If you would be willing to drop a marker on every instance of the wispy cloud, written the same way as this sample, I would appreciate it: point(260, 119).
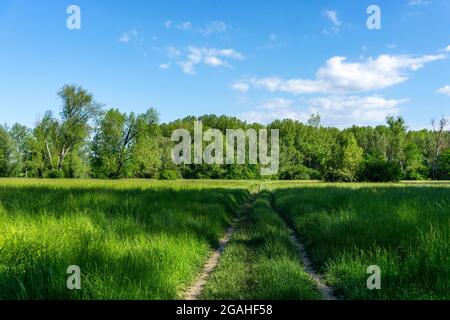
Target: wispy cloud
point(209, 28)
point(133, 38)
point(414, 8)
point(277, 103)
point(214, 27)
point(184, 26)
point(332, 16)
point(241, 86)
point(412, 3)
point(173, 52)
point(208, 56)
point(128, 36)
point(168, 24)
point(164, 66)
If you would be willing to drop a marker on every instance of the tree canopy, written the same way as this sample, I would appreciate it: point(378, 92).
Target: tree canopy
point(85, 140)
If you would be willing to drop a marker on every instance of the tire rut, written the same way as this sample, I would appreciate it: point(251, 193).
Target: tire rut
point(326, 291)
point(194, 292)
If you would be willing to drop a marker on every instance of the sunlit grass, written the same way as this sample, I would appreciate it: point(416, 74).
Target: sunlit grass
point(405, 230)
point(260, 262)
point(148, 239)
point(131, 239)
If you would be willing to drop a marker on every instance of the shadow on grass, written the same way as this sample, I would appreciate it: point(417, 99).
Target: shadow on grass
point(404, 230)
point(129, 243)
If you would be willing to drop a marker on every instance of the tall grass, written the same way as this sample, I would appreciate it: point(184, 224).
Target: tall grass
point(260, 262)
point(139, 239)
point(131, 239)
point(405, 230)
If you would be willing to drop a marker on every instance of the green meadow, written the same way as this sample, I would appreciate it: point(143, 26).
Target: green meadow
point(260, 262)
point(147, 239)
point(403, 229)
point(131, 239)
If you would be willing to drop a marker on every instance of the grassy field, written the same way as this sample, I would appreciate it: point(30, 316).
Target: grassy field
point(260, 262)
point(403, 229)
point(139, 239)
point(131, 239)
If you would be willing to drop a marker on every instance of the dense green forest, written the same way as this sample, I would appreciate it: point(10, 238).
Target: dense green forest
point(85, 140)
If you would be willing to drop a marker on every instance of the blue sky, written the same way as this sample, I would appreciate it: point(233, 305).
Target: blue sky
point(254, 59)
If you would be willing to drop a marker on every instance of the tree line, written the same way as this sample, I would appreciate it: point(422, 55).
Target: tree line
point(86, 141)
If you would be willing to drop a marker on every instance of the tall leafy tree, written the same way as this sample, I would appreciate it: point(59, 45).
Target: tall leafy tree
point(444, 160)
point(348, 160)
point(130, 145)
point(397, 135)
point(414, 163)
point(115, 138)
point(44, 147)
point(439, 143)
point(20, 136)
point(146, 153)
point(6, 151)
point(78, 110)
point(59, 139)
point(352, 157)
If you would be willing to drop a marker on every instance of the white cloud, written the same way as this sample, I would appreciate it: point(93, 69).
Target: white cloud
point(275, 109)
point(272, 109)
point(168, 24)
point(229, 53)
point(214, 27)
point(208, 56)
point(445, 90)
point(294, 86)
point(418, 2)
point(342, 110)
point(214, 61)
point(164, 66)
point(339, 111)
point(267, 117)
point(447, 49)
point(185, 26)
point(340, 76)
